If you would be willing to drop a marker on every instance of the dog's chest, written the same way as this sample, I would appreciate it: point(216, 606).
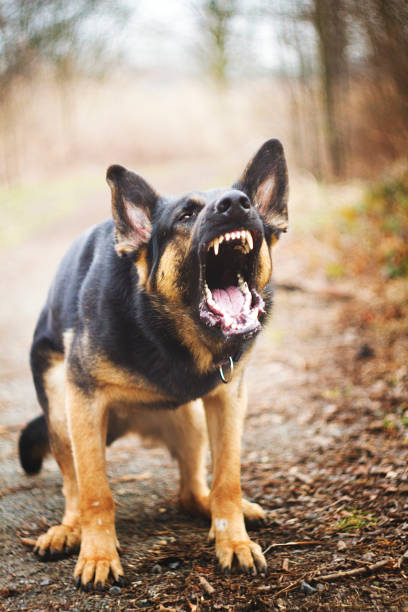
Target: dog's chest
point(167, 387)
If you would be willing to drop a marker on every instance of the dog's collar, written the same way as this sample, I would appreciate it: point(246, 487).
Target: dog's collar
point(226, 367)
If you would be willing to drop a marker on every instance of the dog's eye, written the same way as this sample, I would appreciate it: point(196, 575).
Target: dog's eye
point(187, 214)
point(276, 232)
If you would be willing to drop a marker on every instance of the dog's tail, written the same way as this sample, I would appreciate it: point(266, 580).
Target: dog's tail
point(33, 445)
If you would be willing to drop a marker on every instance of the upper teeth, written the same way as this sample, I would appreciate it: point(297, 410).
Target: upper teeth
point(244, 235)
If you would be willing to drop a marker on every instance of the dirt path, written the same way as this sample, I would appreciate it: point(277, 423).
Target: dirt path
point(309, 457)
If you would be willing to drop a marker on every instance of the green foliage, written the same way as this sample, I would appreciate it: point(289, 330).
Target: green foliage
point(331, 394)
point(389, 423)
point(335, 270)
point(386, 209)
point(378, 226)
point(355, 520)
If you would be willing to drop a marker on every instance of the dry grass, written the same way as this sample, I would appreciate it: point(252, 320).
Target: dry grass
point(53, 126)
point(58, 137)
point(50, 127)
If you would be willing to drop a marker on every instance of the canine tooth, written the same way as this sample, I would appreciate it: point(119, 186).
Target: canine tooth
point(209, 296)
point(216, 246)
point(248, 299)
point(249, 240)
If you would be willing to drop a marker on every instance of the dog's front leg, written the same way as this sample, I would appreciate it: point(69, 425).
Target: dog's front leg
point(87, 419)
point(225, 411)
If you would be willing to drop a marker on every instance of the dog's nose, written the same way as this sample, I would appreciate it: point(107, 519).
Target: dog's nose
point(233, 203)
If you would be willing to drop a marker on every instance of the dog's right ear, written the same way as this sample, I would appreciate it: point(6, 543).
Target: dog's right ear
point(265, 181)
point(133, 205)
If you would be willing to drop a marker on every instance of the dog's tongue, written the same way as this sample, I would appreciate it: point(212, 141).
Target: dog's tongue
point(234, 309)
point(230, 301)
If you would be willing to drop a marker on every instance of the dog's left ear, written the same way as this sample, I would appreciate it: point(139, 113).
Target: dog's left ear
point(133, 206)
point(265, 181)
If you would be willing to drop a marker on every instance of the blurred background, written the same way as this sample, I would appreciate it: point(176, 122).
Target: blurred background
point(90, 80)
point(201, 84)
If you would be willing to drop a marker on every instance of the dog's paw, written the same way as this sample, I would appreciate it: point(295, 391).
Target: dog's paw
point(97, 559)
point(253, 513)
point(58, 541)
point(248, 555)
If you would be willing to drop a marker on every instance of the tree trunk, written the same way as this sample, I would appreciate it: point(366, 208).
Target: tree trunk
point(329, 23)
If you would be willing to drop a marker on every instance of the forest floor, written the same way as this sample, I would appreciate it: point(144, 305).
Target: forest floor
point(325, 452)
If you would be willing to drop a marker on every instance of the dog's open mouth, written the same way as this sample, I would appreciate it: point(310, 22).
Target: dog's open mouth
point(229, 299)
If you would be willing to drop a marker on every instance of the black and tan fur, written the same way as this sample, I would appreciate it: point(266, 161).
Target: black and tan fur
point(127, 342)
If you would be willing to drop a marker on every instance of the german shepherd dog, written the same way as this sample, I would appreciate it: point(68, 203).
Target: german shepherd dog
point(150, 314)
